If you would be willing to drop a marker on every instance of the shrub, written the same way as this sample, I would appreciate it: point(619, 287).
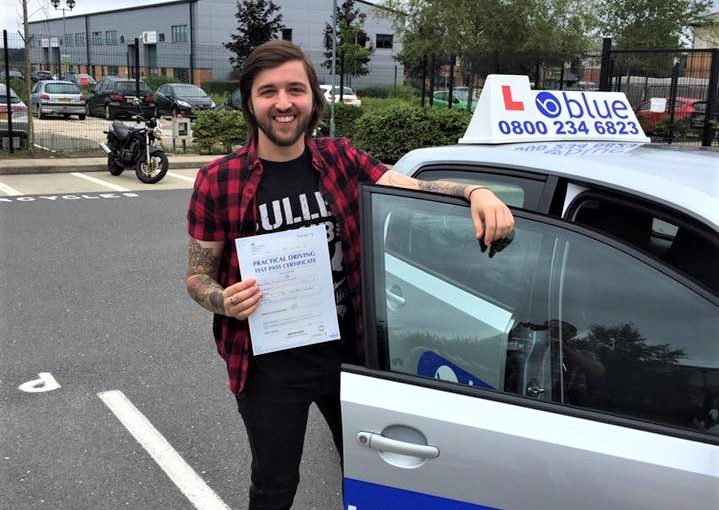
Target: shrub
point(224, 127)
point(345, 118)
point(219, 86)
point(18, 86)
point(405, 92)
point(154, 82)
point(388, 133)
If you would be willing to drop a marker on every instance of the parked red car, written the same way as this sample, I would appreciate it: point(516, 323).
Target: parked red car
point(683, 109)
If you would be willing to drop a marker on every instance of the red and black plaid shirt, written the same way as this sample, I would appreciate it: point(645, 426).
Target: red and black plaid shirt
point(223, 208)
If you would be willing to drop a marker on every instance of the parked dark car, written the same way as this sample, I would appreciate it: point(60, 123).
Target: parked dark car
point(234, 102)
point(181, 98)
point(696, 121)
point(42, 74)
point(113, 97)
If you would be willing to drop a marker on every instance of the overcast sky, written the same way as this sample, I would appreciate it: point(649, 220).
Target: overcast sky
point(11, 10)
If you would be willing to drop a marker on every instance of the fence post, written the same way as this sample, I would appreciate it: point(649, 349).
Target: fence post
point(604, 70)
point(7, 92)
point(137, 67)
point(672, 100)
point(712, 99)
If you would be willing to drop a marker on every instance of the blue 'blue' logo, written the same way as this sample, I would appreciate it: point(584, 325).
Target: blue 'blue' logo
point(548, 105)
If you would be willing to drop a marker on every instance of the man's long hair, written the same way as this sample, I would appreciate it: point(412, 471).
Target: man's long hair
point(269, 55)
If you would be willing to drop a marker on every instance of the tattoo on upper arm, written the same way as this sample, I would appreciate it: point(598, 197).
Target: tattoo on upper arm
point(201, 260)
point(448, 188)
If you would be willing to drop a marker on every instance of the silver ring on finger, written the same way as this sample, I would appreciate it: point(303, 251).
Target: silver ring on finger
point(233, 301)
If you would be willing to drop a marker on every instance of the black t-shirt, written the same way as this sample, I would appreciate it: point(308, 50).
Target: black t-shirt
point(288, 198)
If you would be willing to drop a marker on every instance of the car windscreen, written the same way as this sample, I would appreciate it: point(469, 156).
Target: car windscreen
point(14, 98)
point(62, 88)
point(188, 91)
point(128, 87)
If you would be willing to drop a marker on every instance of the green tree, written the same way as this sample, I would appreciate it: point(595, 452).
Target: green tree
point(258, 21)
point(649, 23)
point(353, 49)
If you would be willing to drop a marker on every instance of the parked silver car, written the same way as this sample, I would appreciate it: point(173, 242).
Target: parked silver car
point(19, 118)
point(56, 97)
point(576, 368)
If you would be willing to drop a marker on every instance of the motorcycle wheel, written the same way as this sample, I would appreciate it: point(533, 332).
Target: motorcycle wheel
point(113, 167)
point(155, 170)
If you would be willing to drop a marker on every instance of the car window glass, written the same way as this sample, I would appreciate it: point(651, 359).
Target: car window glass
point(236, 99)
point(62, 88)
point(514, 191)
point(687, 249)
point(557, 316)
point(128, 87)
point(635, 342)
point(188, 91)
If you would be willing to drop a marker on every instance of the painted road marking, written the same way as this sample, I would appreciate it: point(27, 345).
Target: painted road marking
point(45, 382)
point(99, 181)
point(186, 479)
point(182, 177)
point(8, 190)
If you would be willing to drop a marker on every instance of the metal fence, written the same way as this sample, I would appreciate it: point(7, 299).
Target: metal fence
point(674, 92)
point(684, 81)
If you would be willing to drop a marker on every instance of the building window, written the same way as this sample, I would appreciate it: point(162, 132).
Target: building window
point(161, 37)
point(181, 74)
point(111, 37)
point(69, 39)
point(97, 38)
point(113, 70)
point(384, 41)
point(287, 34)
point(179, 33)
point(80, 39)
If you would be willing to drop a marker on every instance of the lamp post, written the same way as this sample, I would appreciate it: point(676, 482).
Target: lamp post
point(70, 4)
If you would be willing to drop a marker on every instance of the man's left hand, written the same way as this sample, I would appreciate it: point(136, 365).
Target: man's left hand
point(492, 218)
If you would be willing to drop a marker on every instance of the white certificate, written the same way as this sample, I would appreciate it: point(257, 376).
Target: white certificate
point(293, 271)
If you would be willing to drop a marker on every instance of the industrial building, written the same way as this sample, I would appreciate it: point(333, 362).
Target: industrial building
point(184, 39)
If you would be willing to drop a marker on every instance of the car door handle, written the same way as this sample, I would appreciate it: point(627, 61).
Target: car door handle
point(385, 444)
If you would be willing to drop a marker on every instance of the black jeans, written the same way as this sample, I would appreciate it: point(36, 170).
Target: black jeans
point(274, 407)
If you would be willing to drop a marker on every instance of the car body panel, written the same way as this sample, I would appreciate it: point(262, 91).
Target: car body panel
point(461, 402)
point(108, 86)
point(182, 98)
point(620, 166)
point(57, 97)
point(348, 97)
point(19, 114)
point(502, 456)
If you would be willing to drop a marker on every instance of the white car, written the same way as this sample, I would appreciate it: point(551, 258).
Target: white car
point(19, 118)
point(577, 367)
point(348, 95)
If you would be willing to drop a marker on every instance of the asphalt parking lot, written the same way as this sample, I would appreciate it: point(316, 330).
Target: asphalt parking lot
point(59, 134)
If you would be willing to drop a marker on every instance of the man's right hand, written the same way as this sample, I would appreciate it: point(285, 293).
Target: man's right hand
point(242, 299)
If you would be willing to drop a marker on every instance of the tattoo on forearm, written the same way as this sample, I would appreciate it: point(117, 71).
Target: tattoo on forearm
point(448, 188)
point(201, 260)
point(202, 286)
point(207, 292)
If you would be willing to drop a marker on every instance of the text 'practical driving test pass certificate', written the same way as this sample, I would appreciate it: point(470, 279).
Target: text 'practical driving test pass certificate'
point(293, 271)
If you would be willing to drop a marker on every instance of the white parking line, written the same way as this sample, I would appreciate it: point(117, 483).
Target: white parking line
point(182, 177)
point(99, 181)
point(8, 190)
point(186, 479)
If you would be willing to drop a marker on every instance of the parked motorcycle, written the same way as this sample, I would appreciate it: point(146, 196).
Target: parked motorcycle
point(136, 147)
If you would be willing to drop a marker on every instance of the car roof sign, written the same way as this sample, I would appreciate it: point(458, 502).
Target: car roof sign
point(509, 111)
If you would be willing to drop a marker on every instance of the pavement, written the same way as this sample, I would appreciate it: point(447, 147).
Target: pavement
point(13, 165)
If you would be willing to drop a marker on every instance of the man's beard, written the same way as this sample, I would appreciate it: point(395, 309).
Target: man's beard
point(266, 126)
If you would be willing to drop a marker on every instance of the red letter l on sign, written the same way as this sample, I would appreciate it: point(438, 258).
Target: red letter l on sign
point(509, 103)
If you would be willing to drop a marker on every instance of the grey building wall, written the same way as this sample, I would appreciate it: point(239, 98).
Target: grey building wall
point(214, 22)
